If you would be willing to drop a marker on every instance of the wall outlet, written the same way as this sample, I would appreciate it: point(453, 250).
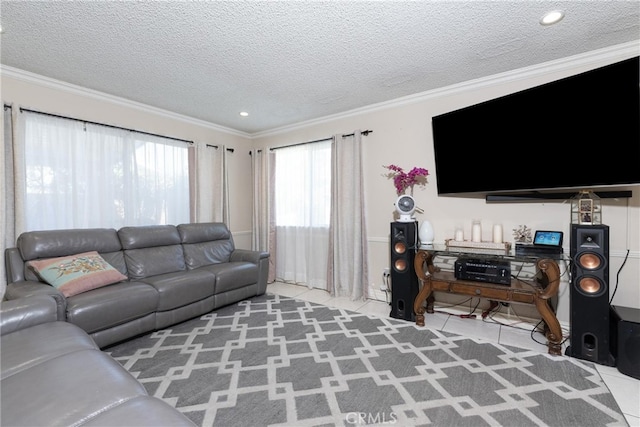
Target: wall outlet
point(386, 272)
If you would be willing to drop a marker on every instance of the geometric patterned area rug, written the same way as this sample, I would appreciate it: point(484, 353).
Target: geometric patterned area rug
point(278, 361)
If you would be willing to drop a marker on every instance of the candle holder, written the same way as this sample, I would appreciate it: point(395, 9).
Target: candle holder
point(476, 231)
point(497, 233)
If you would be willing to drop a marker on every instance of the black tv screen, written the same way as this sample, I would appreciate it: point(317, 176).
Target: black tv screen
point(579, 132)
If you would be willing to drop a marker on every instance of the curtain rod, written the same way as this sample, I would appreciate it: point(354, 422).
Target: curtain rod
point(216, 147)
point(364, 132)
point(102, 124)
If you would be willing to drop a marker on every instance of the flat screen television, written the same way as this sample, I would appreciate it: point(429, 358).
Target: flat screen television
point(579, 132)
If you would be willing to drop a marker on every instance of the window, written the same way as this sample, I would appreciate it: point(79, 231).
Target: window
point(81, 175)
point(303, 185)
point(303, 210)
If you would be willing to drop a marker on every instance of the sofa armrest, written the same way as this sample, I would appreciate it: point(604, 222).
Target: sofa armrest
point(261, 259)
point(14, 265)
point(22, 313)
point(248, 255)
point(27, 288)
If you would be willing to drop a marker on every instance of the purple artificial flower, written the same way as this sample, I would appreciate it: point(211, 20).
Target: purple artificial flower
point(403, 180)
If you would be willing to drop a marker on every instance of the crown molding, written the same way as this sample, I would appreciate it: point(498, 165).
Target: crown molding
point(50, 83)
point(611, 54)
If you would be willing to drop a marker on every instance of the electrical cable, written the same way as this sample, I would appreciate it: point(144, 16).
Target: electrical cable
point(537, 328)
point(471, 314)
point(618, 277)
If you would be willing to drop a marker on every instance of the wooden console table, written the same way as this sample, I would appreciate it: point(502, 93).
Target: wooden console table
point(536, 291)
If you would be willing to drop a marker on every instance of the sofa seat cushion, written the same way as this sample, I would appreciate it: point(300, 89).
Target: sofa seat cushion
point(34, 345)
point(112, 305)
point(66, 391)
point(182, 288)
point(141, 411)
point(233, 275)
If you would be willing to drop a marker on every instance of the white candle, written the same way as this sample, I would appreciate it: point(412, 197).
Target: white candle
point(497, 233)
point(459, 237)
point(476, 232)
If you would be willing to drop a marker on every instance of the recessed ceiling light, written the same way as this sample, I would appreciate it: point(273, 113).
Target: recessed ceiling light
point(244, 113)
point(552, 17)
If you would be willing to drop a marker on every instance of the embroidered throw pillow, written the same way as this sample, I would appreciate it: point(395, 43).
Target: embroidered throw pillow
point(75, 274)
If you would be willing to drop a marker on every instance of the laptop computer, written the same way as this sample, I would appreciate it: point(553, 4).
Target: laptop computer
point(545, 243)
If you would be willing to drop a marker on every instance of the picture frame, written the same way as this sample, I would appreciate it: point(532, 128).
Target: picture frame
point(585, 211)
point(586, 206)
point(586, 218)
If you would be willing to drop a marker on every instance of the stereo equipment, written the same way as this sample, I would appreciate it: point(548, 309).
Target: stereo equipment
point(483, 270)
point(589, 294)
point(404, 282)
point(529, 249)
point(625, 339)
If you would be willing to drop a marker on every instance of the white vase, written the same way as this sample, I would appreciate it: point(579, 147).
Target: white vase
point(425, 233)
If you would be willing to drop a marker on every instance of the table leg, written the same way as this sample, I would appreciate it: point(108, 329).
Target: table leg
point(418, 305)
point(552, 329)
point(430, 300)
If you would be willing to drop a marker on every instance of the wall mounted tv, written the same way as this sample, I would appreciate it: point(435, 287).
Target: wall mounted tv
point(580, 132)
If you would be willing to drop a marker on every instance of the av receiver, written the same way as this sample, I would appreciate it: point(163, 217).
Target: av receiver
point(483, 270)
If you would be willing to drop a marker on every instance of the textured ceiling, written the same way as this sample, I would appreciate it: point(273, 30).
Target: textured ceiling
point(287, 62)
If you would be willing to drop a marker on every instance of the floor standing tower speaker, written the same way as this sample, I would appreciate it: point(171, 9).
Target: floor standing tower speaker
point(589, 295)
point(404, 282)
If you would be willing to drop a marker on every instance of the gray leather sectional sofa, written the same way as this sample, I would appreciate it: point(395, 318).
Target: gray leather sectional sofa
point(174, 273)
point(53, 374)
point(53, 371)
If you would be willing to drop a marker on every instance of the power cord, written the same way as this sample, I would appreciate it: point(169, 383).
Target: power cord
point(470, 315)
point(618, 277)
point(386, 278)
point(540, 330)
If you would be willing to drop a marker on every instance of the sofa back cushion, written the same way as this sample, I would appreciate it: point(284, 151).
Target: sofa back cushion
point(206, 243)
point(34, 245)
point(151, 250)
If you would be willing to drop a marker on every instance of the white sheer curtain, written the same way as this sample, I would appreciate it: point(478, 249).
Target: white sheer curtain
point(348, 259)
point(80, 175)
point(212, 193)
point(263, 221)
point(7, 198)
point(302, 210)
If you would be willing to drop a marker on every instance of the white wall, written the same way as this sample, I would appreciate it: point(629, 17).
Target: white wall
point(402, 135)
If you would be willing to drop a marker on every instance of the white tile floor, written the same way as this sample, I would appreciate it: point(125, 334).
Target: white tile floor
point(509, 330)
